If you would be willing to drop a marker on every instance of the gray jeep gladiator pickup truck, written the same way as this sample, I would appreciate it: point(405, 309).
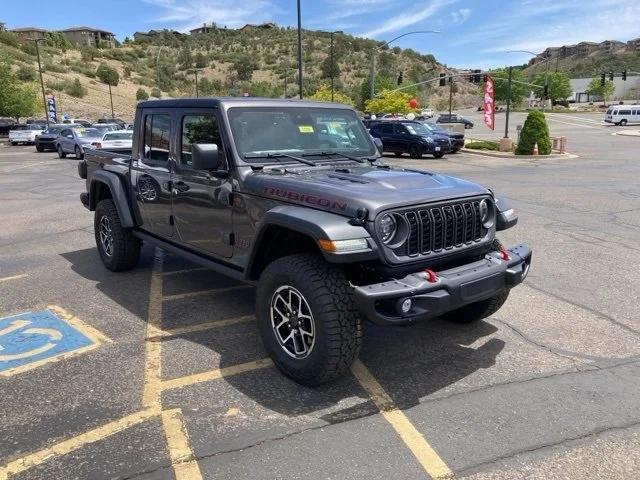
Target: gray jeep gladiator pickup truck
point(292, 196)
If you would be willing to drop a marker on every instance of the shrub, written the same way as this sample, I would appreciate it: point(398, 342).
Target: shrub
point(535, 130)
point(52, 67)
point(53, 85)
point(482, 145)
point(142, 94)
point(155, 92)
point(75, 89)
point(108, 75)
point(9, 38)
point(26, 73)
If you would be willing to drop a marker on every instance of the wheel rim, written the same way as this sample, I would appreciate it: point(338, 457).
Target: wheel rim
point(106, 235)
point(292, 322)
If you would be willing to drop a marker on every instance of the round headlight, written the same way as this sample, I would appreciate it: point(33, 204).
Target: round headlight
point(387, 228)
point(486, 213)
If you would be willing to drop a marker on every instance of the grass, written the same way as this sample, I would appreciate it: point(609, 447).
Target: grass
point(482, 145)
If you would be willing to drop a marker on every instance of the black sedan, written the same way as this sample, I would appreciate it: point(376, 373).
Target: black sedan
point(454, 118)
point(47, 139)
point(456, 139)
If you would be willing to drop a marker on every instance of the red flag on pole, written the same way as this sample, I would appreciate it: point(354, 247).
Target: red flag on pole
point(488, 103)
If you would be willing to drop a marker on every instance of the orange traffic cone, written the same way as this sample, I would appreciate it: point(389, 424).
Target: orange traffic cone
point(535, 149)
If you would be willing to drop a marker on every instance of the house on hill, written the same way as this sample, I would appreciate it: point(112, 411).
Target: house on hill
point(92, 37)
point(203, 29)
point(27, 33)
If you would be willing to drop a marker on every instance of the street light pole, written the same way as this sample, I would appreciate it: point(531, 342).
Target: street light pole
point(332, 67)
point(546, 71)
point(44, 99)
point(450, 94)
point(195, 73)
point(299, 51)
point(506, 126)
point(111, 99)
point(372, 80)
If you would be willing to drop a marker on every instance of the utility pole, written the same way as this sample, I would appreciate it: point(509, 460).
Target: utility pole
point(285, 83)
point(506, 126)
point(450, 95)
point(44, 99)
point(299, 50)
point(111, 98)
point(332, 67)
point(195, 73)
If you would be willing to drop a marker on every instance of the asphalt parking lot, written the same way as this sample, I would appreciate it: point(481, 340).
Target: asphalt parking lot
point(167, 377)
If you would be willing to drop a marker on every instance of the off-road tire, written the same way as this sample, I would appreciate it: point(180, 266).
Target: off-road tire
point(397, 154)
point(126, 247)
point(39, 148)
point(478, 310)
point(78, 153)
point(416, 151)
point(338, 326)
point(61, 153)
point(438, 155)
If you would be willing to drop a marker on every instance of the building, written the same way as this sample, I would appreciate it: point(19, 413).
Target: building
point(27, 33)
point(2, 27)
point(610, 46)
point(137, 36)
point(203, 29)
point(92, 37)
point(624, 90)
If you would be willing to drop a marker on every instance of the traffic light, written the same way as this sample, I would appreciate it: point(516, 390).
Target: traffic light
point(400, 79)
point(477, 75)
point(611, 76)
point(624, 75)
point(472, 77)
point(602, 79)
point(443, 79)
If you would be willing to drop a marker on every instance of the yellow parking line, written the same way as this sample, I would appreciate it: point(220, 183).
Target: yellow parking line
point(88, 331)
point(14, 277)
point(174, 332)
point(185, 466)
point(180, 296)
point(412, 438)
point(67, 446)
point(215, 374)
point(152, 366)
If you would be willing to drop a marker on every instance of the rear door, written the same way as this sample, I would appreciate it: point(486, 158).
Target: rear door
point(202, 199)
point(151, 171)
point(66, 140)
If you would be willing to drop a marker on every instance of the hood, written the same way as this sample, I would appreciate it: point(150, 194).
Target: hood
point(346, 187)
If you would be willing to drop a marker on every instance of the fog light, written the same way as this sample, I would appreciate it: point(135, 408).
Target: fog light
point(407, 303)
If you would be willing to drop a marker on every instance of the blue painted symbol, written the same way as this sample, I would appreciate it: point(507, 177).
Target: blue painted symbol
point(34, 336)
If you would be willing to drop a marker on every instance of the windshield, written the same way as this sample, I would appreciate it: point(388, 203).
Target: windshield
point(260, 131)
point(417, 129)
point(88, 132)
point(432, 127)
point(119, 136)
point(54, 130)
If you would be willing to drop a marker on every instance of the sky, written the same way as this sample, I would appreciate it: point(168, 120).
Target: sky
point(473, 34)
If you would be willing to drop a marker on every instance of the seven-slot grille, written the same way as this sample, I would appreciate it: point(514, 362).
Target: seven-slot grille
point(432, 229)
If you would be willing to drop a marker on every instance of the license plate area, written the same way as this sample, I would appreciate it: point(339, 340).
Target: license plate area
point(481, 288)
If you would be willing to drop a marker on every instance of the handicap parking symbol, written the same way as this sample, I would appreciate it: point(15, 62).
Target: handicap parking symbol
point(34, 338)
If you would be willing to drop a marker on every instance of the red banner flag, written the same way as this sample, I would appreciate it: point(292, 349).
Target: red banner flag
point(488, 103)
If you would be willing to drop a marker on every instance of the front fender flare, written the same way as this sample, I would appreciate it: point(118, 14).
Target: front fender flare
point(118, 195)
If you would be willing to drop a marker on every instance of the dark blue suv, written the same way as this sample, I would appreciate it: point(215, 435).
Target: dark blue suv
point(410, 137)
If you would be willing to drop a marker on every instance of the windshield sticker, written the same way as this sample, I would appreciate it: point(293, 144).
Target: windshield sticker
point(305, 128)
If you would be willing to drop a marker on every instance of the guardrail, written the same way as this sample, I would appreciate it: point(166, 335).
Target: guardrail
point(558, 144)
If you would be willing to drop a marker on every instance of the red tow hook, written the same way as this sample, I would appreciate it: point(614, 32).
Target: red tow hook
point(431, 275)
point(504, 254)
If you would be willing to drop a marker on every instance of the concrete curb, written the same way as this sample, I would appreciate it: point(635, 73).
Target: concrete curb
point(508, 155)
point(628, 133)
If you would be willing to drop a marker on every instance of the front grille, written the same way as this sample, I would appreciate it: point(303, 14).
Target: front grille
point(442, 142)
point(437, 228)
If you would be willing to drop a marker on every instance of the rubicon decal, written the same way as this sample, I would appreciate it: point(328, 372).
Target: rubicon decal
point(304, 198)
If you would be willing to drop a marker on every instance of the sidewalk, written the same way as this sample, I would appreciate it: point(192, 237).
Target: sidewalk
point(629, 133)
point(494, 153)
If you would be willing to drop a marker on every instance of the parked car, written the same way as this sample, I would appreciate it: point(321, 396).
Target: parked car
point(427, 113)
point(76, 140)
point(329, 235)
point(456, 139)
point(25, 134)
point(106, 127)
point(6, 124)
point(116, 139)
point(121, 123)
point(77, 121)
point(47, 140)
point(407, 136)
point(454, 118)
point(623, 114)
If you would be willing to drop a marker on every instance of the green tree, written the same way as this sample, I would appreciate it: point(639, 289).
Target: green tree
point(108, 75)
point(501, 85)
point(324, 95)
point(244, 67)
point(88, 54)
point(559, 86)
point(57, 40)
point(210, 87)
point(26, 73)
point(326, 67)
point(596, 89)
point(75, 89)
point(185, 59)
point(200, 60)
point(381, 83)
point(141, 94)
point(389, 102)
point(17, 99)
point(535, 130)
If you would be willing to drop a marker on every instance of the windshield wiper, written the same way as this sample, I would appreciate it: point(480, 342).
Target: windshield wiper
point(284, 155)
point(348, 157)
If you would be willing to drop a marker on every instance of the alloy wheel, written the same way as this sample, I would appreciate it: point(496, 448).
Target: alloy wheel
point(106, 236)
point(292, 322)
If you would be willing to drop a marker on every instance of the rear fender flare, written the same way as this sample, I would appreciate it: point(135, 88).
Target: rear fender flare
point(118, 194)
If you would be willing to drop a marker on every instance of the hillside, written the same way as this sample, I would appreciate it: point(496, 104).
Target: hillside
point(231, 62)
point(591, 65)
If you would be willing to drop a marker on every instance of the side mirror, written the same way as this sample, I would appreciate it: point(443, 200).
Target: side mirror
point(204, 156)
point(378, 143)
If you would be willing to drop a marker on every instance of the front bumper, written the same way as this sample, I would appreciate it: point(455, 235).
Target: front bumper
point(453, 288)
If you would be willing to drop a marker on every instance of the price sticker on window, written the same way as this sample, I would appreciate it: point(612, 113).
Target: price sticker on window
point(305, 128)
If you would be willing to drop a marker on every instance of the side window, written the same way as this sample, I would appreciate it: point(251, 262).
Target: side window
point(157, 135)
point(386, 128)
point(625, 112)
point(65, 132)
point(198, 129)
point(400, 129)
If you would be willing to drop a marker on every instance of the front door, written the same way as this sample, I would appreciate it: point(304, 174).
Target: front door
point(202, 199)
point(151, 173)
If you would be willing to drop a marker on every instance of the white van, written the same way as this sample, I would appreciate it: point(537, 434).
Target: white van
point(623, 114)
